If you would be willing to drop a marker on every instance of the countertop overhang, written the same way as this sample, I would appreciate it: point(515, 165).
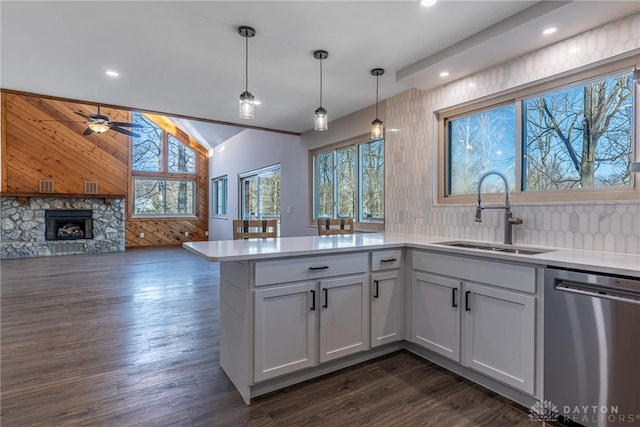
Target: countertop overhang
point(286, 247)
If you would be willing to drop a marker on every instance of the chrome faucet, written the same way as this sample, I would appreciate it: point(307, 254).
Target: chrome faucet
point(509, 220)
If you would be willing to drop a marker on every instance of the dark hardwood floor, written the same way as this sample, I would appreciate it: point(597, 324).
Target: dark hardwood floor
point(132, 339)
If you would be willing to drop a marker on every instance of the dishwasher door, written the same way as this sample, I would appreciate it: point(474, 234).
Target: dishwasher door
point(592, 347)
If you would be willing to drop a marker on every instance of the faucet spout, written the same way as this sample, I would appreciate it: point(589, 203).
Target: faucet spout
point(509, 221)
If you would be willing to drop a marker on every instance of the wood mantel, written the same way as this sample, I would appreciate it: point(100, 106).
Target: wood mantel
point(24, 197)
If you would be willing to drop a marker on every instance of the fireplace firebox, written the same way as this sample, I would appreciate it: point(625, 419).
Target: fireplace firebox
point(68, 224)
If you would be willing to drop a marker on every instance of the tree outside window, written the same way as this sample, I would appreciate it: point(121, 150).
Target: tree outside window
point(349, 182)
point(163, 170)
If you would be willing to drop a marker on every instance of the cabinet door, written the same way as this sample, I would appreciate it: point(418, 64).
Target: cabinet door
point(285, 329)
point(387, 316)
point(436, 314)
point(344, 316)
point(499, 334)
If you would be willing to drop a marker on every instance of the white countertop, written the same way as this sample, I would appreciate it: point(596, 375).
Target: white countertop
point(238, 250)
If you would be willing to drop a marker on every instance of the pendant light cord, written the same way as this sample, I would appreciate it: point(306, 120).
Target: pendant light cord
point(377, 77)
point(246, 64)
point(321, 82)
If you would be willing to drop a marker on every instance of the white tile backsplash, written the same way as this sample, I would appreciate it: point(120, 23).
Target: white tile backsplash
point(410, 154)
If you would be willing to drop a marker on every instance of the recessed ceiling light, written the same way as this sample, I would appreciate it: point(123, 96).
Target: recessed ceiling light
point(548, 31)
point(427, 3)
point(573, 50)
point(392, 130)
point(444, 74)
point(256, 102)
point(472, 84)
point(111, 73)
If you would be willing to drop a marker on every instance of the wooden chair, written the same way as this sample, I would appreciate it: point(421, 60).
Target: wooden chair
point(335, 226)
point(255, 228)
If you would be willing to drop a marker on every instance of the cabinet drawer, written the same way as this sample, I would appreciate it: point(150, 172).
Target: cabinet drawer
point(386, 260)
point(309, 268)
point(506, 275)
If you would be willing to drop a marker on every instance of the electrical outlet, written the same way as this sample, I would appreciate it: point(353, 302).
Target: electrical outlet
point(142, 235)
point(186, 234)
point(206, 233)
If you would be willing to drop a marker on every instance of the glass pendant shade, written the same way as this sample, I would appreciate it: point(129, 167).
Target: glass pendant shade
point(99, 127)
point(321, 121)
point(247, 106)
point(377, 129)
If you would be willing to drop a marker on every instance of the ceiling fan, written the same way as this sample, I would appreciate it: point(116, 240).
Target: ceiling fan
point(99, 124)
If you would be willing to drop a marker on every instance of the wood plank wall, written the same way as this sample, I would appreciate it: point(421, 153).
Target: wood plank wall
point(42, 139)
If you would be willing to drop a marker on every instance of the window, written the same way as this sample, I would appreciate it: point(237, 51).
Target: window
point(260, 194)
point(349, 182)
point(219, 196)
point(569, 139)
point(163, 169)
point(163, 197)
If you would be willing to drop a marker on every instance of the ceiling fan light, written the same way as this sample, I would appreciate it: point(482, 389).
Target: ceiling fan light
point(99, 127)
point(321, 121)
point(377, 129)
point(247, 105)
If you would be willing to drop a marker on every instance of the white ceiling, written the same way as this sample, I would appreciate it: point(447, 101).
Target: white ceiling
point(186, 57)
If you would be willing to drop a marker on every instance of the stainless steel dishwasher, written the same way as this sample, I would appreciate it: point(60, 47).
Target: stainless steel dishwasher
point(592, 347)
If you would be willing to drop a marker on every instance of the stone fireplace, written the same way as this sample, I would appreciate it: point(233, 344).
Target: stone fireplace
point(68, 224)
point(45, 226)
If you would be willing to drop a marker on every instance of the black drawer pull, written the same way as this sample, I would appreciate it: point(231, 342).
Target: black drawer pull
point(466, 301)
point(326, 298)
point(324, 267)
point(313, 300)
point(375, 290)
point(388, 260)
point(454, 300)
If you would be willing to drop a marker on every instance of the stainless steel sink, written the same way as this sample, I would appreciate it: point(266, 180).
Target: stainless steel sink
point(496, 248)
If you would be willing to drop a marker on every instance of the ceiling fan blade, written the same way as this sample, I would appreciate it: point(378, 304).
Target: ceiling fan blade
point(124, 131)
point(87, 131)
point(81, 114)
point(129, 125)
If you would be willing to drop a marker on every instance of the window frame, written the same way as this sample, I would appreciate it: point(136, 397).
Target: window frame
point(164, 215)
point(215, 197)
point(257, 173)
point(352, 142)
point(163, 174)
point(562, 81)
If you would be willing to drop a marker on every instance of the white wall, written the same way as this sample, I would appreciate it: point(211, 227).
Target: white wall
point(254, 149)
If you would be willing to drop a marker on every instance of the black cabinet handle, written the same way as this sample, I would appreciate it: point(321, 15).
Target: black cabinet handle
point(388, 260)
point(313, 300)
point(454, 300)
point(466, 301)
point(326, 298)
point(375, 289)
point(324, 267)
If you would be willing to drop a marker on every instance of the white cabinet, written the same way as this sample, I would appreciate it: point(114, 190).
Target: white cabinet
point(436, 314)
point(299, 325)
point(499, 334)
point(344, 316)
point(491, 329)
point(285, 329)
point(387, 314)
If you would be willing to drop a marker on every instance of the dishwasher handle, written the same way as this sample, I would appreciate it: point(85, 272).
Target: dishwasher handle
point(597, 292)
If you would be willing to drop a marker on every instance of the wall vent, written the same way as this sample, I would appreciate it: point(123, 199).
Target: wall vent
point(45, 186)
point(90, 187)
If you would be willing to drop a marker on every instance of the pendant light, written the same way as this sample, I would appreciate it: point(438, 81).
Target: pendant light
point(377, 129)
point(247, 101)
point(321, 122)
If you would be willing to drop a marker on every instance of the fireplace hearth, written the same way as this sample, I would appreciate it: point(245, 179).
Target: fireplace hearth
point(68, 224)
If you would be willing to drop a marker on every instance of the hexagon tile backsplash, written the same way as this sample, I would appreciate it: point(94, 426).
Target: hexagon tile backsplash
point(411, 149)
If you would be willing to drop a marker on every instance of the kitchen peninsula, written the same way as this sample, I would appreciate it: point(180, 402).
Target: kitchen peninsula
point(299, 307)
